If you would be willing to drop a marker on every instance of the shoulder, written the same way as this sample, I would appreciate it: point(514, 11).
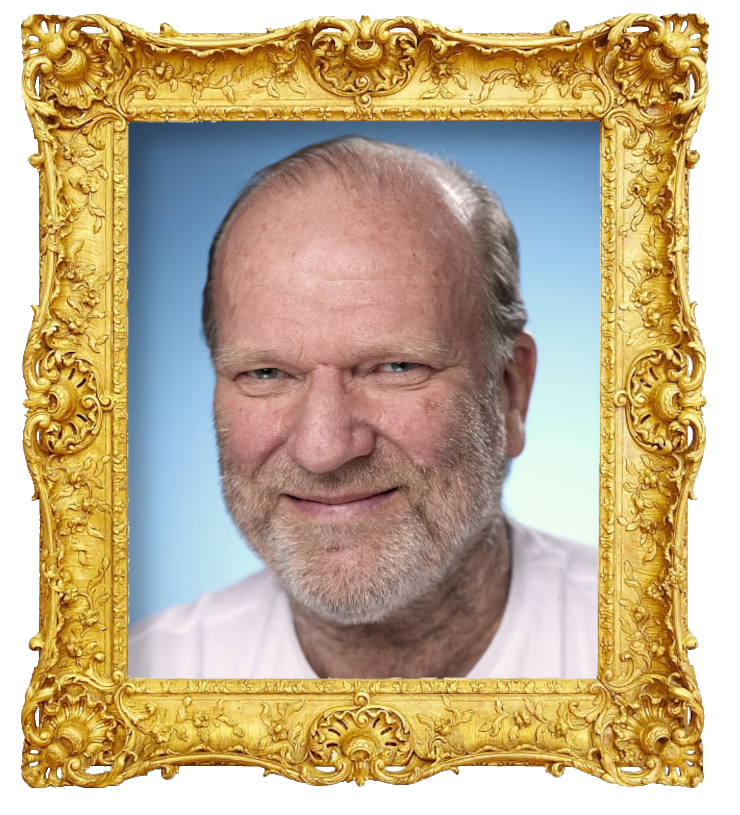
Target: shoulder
point(543, 552)
point(209, 607)
point(181, 639)
point(556, 587)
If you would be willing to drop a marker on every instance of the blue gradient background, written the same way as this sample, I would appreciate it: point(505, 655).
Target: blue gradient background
point(183, 178)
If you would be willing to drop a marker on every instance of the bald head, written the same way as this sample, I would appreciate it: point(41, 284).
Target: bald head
point(455, 211)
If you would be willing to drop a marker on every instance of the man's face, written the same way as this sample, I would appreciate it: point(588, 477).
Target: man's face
point(359, 456)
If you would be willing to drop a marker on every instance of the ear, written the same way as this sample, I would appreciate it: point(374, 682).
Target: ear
point(517, 377)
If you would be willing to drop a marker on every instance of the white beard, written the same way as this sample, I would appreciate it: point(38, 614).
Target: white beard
point(362, 570)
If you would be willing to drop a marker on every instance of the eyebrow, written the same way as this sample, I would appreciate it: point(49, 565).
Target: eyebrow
point(230, 357)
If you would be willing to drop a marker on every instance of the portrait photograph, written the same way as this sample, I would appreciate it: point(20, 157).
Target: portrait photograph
point(375, 418)
point(183, 541)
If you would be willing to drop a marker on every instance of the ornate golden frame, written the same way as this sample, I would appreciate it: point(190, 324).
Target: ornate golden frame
point(85, 721)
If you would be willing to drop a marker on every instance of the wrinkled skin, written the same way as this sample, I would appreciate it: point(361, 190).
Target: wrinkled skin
point(362, 448)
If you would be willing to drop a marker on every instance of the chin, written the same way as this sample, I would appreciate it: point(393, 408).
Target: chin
point(360, 575)
point(348, 602)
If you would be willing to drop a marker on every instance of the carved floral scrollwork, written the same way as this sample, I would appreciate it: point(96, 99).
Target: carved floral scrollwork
point(664, 401)
point(445, 739)
point(283, 73)
point(84, 79)
point(443, 74)
point(199, 77)
point(363, 59)
point(653, 290)
point(284, 733)
point(66, 409)
point(537, 75)
point(360, 742)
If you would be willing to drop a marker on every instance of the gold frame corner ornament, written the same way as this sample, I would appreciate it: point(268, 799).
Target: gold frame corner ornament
point(84, 79)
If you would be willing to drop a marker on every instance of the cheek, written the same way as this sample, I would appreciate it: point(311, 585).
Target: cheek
point(248, 429)
point(419, 425)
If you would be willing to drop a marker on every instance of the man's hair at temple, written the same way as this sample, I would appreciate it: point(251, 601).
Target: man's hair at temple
point(375, 167)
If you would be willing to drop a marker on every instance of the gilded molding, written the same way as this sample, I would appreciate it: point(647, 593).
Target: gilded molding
point(84, 79)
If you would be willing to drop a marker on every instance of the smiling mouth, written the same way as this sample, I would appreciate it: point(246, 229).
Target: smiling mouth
point(347, 498)
point(340, 506)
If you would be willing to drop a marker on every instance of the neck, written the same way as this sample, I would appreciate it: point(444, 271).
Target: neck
point(443, 634)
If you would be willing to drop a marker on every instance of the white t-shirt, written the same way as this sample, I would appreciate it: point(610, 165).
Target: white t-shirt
point(549, 627)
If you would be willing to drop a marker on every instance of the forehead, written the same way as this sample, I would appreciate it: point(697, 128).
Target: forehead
point(361, 260)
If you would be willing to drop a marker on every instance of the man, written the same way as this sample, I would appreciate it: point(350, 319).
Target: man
point(373, 376)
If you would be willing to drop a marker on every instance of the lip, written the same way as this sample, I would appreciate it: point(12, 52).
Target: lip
point(340, 506)
point(349, 498)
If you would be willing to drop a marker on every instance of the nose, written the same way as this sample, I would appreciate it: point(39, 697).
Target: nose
point(327, 428)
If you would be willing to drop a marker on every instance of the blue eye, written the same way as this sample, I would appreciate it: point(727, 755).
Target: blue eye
point(401, 367)
point(267, 373)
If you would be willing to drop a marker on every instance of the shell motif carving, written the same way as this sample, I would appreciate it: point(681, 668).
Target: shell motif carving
point(363, 59)
point(66, 411)
point(664, 401)
point(360, 742)
point(68, 64)
point(68, 732)
point(660, 734)
point(653, 66)
point(84, 79)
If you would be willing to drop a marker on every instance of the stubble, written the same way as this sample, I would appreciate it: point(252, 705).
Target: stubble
point(362, 570)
